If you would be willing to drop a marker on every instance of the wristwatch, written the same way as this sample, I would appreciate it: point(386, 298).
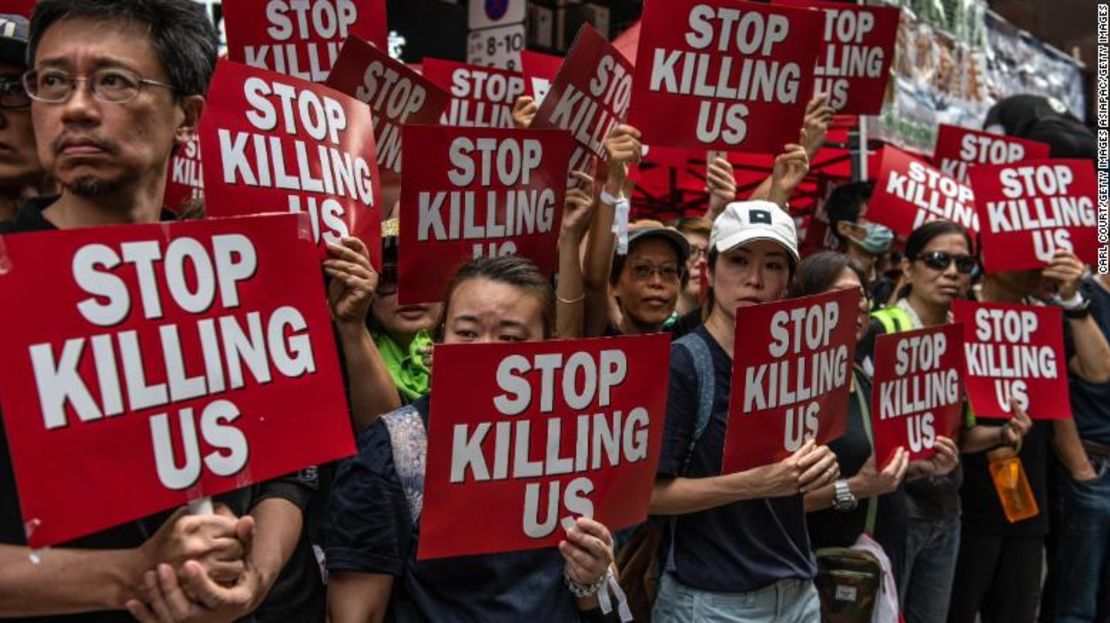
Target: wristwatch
point(1077, 307)
point(845, 500)
point(1079, 312)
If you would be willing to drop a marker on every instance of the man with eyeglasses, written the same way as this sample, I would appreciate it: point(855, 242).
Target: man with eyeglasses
point(21, 175)
point(645, 283)
point(117, 85)
point(696, 230)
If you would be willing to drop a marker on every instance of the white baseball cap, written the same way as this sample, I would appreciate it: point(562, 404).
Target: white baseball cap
point(745, 221)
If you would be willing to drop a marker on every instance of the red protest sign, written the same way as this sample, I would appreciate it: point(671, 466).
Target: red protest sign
point(539, 70)
point(909, 193)
point(470, 192)
point(791, 378)
point(185, 181)
point(170, 361)
point(536, 432)
point(300, 39)
point(589, 96)
point(396, 95)
point(1015, 351)
point(21, 7)
point(482, 97)
point(272, 143)
point(723, 74)
point(916, 392)
point(958, 148)
point(1033, 209)
point(854, 67)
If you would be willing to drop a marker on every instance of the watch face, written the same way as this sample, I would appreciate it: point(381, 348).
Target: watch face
point(844, 500)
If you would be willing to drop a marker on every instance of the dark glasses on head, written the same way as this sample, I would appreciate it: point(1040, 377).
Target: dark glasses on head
point(941, 260)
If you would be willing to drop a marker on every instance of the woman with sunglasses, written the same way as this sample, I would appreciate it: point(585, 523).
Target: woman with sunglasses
point(936, 269)
point(998, 576)
point(375, 532)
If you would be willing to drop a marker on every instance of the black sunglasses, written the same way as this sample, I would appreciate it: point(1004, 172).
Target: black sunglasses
point(941, 260)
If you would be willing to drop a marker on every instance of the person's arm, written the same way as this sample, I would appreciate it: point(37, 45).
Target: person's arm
point(945, 459)
point(278, 527)
point(791, 167)
point(571, 291)
point(808, 469)
point(624, 149)
point(350, 291)
point(1091, 361)
point(67, 581)
point(1069, 450)
point(720, 182)
point(815, 127)
point(358, 597)
point(868, 482)
point(980, 438)
point(588, 554)
point(192, 596)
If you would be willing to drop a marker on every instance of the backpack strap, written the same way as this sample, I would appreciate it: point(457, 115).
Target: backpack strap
point(698, 349)
point(865, 416)
point(409, 441)
point(694, 344)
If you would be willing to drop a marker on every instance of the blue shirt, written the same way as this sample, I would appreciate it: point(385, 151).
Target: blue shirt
point(738, 547)
point(372, 531)
point(1090, 402)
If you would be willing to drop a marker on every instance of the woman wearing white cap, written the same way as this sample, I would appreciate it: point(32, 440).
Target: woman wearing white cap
point(737, 548)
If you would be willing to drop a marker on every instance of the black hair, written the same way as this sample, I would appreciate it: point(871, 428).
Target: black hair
point(512, 270)
point(846, 202)
point(180, 31)
point(818, 272)
point(921, 237)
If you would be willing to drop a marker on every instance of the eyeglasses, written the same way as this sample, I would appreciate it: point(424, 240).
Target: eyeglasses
point(644, 272)
point(12, 93)
point(109, 85)
point(941, 260)
point(697, 252)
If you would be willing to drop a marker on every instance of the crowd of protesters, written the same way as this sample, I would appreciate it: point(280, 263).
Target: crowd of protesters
point(96, 95)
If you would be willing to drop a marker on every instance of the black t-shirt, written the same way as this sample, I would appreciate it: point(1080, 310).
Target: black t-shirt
point(372, 532)
point(737, 547)
point(983, 510)
point(297, 594)
point(833, 528)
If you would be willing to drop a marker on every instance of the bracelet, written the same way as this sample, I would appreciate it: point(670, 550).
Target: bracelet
point(570, 301)
point(581, 591)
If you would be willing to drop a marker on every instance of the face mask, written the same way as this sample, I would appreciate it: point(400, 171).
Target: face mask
point(877, 240)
